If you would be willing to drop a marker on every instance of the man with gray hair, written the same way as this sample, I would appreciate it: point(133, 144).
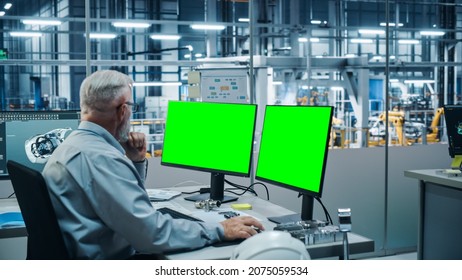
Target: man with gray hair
point(96, 183)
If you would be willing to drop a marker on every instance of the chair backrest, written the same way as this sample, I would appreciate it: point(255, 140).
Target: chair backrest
point(45, 240)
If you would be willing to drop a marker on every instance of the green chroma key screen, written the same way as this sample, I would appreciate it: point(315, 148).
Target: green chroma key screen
point(294, 146)
point(215, 137)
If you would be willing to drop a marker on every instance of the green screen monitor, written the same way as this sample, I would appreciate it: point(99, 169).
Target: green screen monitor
point(211, 137)
point(293, 152)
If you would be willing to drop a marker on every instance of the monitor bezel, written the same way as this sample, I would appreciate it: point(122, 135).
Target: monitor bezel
point(214, 170)
point(326, 150)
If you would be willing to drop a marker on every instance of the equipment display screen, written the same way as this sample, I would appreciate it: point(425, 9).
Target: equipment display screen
point(294, 146)
point(30, 137)
point(453, 118)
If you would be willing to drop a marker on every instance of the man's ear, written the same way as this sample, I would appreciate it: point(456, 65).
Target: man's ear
point(121, 113)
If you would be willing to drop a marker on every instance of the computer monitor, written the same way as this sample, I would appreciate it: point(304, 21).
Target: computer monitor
point(211, 137)
point(293, 152)
point(453, 118)
point(30, 137)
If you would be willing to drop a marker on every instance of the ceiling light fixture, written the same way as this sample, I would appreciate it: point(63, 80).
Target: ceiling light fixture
point(25, 34)
point(391, 24)
point(131, 24)
point(165, 37)
point(419, 81)
point(207, 27)
point(408, 42)
point(102, 35)
point(362, 41)
point(432, 33)
point(312, 40)
point(2, 13)
point(41, 22)
point(371, 31)
point(243, 20)
point(8, 6)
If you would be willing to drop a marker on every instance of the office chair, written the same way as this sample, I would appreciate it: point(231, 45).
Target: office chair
point(45, 240)
point(271, 245)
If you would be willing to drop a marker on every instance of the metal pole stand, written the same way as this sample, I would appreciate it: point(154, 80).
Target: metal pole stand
point(346, 246)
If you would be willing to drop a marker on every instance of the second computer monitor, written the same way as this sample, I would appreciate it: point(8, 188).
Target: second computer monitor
point(293, 150)
point(210, 137)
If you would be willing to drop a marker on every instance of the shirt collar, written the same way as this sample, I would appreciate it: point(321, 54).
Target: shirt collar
point(101, 131)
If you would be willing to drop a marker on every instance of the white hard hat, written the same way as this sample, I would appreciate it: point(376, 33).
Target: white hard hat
point(271, 245)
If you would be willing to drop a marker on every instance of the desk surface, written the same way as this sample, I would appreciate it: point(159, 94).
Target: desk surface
point(435, 176)
point(261, 209)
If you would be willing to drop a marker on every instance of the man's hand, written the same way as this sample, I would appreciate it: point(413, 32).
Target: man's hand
point(241, 227)
point(135, 147)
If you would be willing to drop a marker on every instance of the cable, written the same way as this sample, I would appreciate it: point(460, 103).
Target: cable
point(326, 212)
point(7, 196)
point(246, 189)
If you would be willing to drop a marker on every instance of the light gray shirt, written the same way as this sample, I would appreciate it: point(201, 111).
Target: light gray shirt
point(102, 206)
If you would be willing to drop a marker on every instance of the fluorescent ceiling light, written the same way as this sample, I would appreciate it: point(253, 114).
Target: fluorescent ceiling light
point(432, 33)
point(8, 6)
point(198, 55)
point(165, 37)
point(207, 27)
point(315, 21)
point(304, 40)
point(25, 34)
point(362, 41)
point(419, 81)
point(131, 24)
point(243, 20)
point(156, 84)
point(350, 55)
point(392, 57)
point(408, 41)
point(102, 35)
point(277, 83)
point(377, 57)
point(371, 31)
point(392, 24)
point(2, 13)
point(41, 22)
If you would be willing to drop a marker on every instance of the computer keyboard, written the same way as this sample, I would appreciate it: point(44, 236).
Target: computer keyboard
point(177, 215)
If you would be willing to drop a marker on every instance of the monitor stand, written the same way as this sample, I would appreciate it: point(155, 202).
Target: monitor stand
point(217, 190)
point(205, 196)
point(306, 215)
point(291, 218)
point(456, 162)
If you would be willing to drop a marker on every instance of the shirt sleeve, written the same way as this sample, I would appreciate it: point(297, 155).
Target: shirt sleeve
point(116, 192)
point(142, 168)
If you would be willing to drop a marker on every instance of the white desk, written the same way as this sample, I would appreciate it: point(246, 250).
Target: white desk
point(440, 203)
point(261, 209)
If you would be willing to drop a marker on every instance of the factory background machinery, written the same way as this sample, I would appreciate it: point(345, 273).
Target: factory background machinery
point(323, 52)
point(377, 62)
